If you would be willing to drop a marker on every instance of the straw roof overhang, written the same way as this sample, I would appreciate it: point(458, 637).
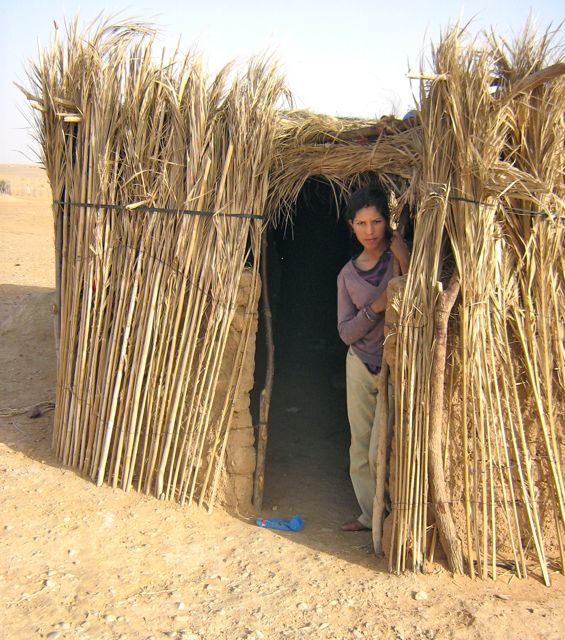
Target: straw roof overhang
point(341, 150)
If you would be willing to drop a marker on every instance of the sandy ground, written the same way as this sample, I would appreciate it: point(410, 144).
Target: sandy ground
point(77, 561)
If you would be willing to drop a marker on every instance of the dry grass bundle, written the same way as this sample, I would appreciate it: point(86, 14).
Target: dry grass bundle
point(493, 158)
point(148, 290)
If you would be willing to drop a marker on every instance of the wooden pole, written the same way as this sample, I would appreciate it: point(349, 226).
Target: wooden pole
point(59, 212)
point(384, 425)
point(381, 461)
point(265, 400)
point(440, 499)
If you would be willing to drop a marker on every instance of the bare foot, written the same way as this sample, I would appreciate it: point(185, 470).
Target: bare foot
point(354, 525)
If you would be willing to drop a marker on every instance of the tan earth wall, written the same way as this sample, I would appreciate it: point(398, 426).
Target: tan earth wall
point(240, 459)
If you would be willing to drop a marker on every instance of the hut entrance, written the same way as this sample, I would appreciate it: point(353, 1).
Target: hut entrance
point(308, 435)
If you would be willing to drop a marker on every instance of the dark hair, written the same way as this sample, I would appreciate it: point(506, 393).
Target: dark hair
point(369, 197)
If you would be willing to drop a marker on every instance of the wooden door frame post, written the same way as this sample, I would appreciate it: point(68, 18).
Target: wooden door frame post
point(266, 393)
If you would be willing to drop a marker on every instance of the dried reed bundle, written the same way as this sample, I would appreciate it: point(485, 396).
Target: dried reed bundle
point(147, 291)
point(483, 168)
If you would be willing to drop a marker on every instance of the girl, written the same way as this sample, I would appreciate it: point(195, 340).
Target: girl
point(361, 303)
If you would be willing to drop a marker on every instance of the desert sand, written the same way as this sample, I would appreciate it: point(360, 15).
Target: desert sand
point(80, 561)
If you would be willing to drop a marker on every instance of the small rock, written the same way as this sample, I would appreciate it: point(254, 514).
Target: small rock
point(50, 583)
point(501, 596)
point(171, 634)
point(8, 527)
point(53, 635)
point(302, 606)
point(51, 572)
point(324, 625)
point(109, 618)
point(34, 412)
point(108, 520)
point(357, 634)
point(72, 553)
point(334, 603)
point(121, 619)
point(421, 595)
point(181, 606)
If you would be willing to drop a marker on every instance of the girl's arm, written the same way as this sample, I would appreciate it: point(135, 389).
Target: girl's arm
point(400, 251)
point(352, 323)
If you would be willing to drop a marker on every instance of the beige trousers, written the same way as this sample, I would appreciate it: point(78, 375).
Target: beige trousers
point(363, 411)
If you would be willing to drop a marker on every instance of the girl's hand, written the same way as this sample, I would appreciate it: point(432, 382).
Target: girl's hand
point(400, 251)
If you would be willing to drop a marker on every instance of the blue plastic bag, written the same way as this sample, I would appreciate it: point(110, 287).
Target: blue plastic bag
point(282, 524)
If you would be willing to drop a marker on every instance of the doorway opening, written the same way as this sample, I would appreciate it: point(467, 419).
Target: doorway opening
point(307, 463)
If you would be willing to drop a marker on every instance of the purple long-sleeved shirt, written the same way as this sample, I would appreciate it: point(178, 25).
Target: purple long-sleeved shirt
point(358, 325)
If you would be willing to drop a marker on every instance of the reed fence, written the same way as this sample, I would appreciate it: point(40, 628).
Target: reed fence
point(160, 177)
point(489, 244)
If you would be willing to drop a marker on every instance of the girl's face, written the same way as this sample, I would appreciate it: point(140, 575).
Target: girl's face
point(369, 227)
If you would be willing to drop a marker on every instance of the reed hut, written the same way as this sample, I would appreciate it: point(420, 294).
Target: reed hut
point(166, 184)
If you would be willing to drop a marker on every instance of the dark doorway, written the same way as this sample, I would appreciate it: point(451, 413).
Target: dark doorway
point(307, 451)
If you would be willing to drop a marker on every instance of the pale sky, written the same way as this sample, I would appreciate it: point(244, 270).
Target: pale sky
point(340, 57)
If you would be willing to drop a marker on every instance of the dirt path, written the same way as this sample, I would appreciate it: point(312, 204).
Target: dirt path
point(77, 561)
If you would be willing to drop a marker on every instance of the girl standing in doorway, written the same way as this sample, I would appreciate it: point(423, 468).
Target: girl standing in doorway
point(361, 303)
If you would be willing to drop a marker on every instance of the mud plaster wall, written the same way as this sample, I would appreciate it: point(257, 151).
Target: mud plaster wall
point(239, 466)
point(539, 470)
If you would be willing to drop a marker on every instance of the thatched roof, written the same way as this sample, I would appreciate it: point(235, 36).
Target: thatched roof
point(339, 150)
